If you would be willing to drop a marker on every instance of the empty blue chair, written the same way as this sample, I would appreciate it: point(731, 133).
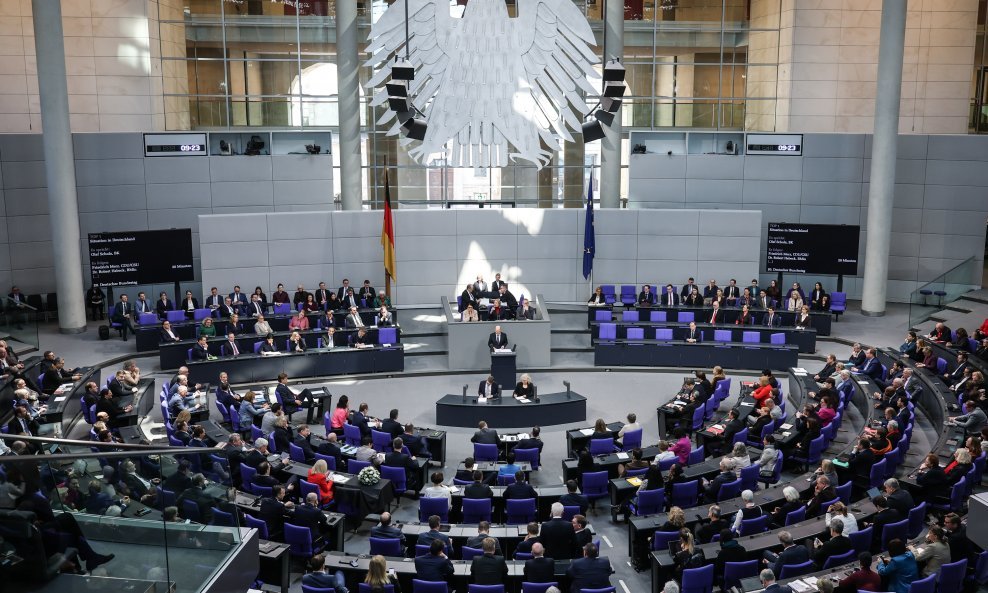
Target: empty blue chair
point(397, 477)
point(952, 576)
point(657, 316)
point(476, 510)
point(876, 476)
point(527, 587)
point(629, 316)
point(381, 440)
point(175, 316)
point(927, 585)
point(608, 332)
point(419, 586)
point(385, 546)
point(190, 510)
point(648, 502)
point(353, 466)
point(602, 315)
point(366, 588)
point(295, 453)
point(259, 525)
point(777, 339)
point(387, 335)
point(601, 446)
point(685, 317)
point(685, 495)
point(569, 511)
point(916, 517)
point(751, 337)
point(722, 335)
point(636, 333)
point(754, 526)
point(696, 456)
point(749, 477)
point(530, 455)
point(740, 436)
point(839, 559)
point(147, 319)
point(519, 511)
point(794, 570)
point(663, 333)
point(433, 506)
point(796, 516)
point(221, 519)
point(661, 539)
point(485, 452)
point(844, 492)
point(698, 580)
point(897, 530)
point(729, 490)
point(351, 434)
point(861, 539)
point(469, 553)
point(594, 486)
point(602, 590)
point(474, 588)
point(812, 457)
point(299, 540)
point(735, 571)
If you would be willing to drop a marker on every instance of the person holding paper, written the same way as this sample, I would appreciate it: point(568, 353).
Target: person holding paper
point(497, 340)
point(525, 389)
point(489, 388)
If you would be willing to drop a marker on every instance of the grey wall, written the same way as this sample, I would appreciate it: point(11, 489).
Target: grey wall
point(120, 190)
point(537, 251)
point(940, 204)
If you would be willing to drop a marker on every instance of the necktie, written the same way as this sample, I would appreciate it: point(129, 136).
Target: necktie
point(235, 350)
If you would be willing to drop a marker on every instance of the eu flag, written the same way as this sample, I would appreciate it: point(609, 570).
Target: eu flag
point(589, 243)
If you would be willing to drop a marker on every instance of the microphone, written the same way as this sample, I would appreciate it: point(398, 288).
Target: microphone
point(535, 388)
point(566, 384)
point(465, 392)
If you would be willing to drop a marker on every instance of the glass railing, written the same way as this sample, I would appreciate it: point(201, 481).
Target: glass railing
point(169, 519)
point(942, 290)
point(19, 323)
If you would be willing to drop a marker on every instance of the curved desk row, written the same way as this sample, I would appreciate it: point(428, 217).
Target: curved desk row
point(249, 368)
point(805, 339)
point(506, 412)
point(646, 353)
point(147, 337)
point(821, 319)
point(172, 355)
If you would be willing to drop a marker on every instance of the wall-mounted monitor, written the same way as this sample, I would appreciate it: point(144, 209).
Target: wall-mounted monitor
point(798, 248)
point(141, 257)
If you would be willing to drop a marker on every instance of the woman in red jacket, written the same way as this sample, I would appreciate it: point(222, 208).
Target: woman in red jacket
point(319, 475)
point(763, 392)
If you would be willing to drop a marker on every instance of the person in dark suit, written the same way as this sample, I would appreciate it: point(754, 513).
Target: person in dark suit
point(360, 420)
point(189, 304)
point(823, 492)
point(767, 577)
point(960, 546)
point(489, 568)
point(162, 305)
point(731, 550)
point(572, 498)
point(581, 531)
point(322, 295)
point(269, 346)
point(319, 578)
point(540, 569)
point(484, 435)
point(434, 566)
point(711, 526)
point(871, 366)
point(732, 292)
point(790, 554)
point(483, 533)
point(385, 530)
point(107, 404)
point(360, 339)
point(273, 510)
point(520, 489)
point(238, 299)
point(498, 339)
point(426, 538)
point(467, 297)
point(669, 297)
point(533, 441)
point(693, 335)
point(770, 319)
point(478, 489)
point(646, 298)
point(290, 400)
point(590, 571)
point(398, 459)
point(933, 480)
point(900, 500)
point(713, 487)
point(861, 459)
point(391, 425)
point(418, 445)
point(883, 517)
point(201, 350)
point(557, 535)
point(303, 440)
point(168, 334)
point(489, 388)
point(836, 545)
point(531, 538)
point(123, 313)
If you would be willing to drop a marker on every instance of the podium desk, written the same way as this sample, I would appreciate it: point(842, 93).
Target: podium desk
point(507, 412)
point(503, 369)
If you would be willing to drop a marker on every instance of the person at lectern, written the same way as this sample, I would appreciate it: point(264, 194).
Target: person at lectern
point(524, 388)
point(488, 388)
point(498, 339)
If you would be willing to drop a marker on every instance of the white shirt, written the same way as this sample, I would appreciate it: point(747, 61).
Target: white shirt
point(850, 523)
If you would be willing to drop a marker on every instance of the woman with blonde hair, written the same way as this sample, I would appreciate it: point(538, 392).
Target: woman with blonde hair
point(525, 388)
point(675, 520)
point(838, 511)
point(377, 575)
point(319, 475)
point(688, 556)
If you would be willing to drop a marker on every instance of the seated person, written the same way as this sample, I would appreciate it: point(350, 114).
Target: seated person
point(525, 388)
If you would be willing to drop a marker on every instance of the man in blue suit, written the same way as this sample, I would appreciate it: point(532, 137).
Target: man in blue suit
point(123, 313)
point(871, 366)
point(768, 582)
point(239, 299)
point(433, 535)
point(434, 566)
point(791, 554)
point(589, 572)
point(321, 579)
point(771, 319)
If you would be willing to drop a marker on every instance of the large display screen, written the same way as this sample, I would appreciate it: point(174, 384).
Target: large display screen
point(141, 257)
point(812, 248)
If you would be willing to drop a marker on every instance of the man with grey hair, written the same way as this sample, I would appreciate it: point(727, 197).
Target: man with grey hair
point(823, 493)
point(837, 544)
point(259, 454)
point(706, 530)
point(557, 535)
point(670, 587)
point(725, 476)
point(790, 554)
point(767, 577)
point(899, 499)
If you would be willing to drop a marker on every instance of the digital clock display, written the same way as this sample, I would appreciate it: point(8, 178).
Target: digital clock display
point(777, 144)
point(184, 144)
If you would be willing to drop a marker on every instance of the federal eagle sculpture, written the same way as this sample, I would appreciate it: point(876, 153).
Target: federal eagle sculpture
point(490, 87)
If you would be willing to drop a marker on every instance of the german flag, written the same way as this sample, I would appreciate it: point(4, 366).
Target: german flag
point(388, 232)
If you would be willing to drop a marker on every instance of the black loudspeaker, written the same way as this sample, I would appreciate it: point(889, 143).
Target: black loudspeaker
point(104, 332)
point(604, 117)
point(614, 72)
point(614, 89)
point(592, 130)
point(415, 129)
point(402, 70)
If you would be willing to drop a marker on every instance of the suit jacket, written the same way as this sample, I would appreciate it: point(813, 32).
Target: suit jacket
point(121, 310)
point(321, 296)
point(254, 309)
point(488, 570)
point(813, 507)
point(804, 321)
point(732, 292)
point(200, 352)
point(433, 568)
point(477, 490)
point(495, 389)
point(901, 501)
point(163, 307)
point(497, 341)
point(775, 322)
point(646, 298)
point(883, 518)
point(487, 436)
point(477, 542)
point(425, 539)
point(861, 462)
point(399, 459)
point(559, 539)
point(792, 555)
point(832, 547)
point(530, 443)
point(360, 421)
point(714, 487)
point(666, 298)
point(467, 297)
point(520, 490)
point(540, 570)
point(872, 368)
point(392, 427)
point(589, 573)
point(185, 303)
point(694, 334)
point(272, 512)
point(575, 500)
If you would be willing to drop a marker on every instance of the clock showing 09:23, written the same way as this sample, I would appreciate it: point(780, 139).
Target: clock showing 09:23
point(174, 145)
point(778, 144)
